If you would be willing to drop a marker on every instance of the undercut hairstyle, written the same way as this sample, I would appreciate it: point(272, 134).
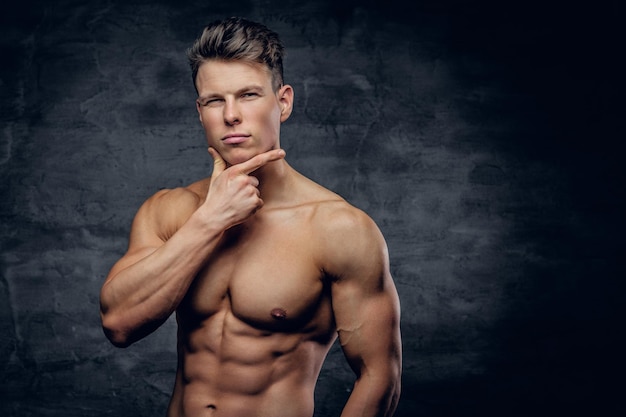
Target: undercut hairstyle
point(238, 39)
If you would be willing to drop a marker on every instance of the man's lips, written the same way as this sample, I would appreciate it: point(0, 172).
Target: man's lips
point(235, 138)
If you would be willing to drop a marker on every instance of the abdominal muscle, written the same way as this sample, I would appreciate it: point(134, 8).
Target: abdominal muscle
point(257, 322)
point(228, 368)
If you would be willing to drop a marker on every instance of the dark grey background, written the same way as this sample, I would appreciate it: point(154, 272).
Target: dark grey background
point(481, 136)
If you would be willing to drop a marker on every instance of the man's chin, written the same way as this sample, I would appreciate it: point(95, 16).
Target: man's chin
point(234, 156)
point(238, 156)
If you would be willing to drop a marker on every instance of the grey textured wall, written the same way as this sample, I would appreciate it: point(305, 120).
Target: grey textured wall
point(481, 136)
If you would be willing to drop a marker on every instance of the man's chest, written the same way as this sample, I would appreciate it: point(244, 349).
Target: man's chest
point(268, 277)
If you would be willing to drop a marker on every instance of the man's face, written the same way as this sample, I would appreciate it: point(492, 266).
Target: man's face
point(239, 110)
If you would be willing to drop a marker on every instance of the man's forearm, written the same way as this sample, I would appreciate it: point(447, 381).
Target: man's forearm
point(140, 297)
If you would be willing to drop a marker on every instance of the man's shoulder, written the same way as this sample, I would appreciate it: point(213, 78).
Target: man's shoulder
point(343, 221)
point(168, 209)
point(174, 204)
point(350, 241)
point(335, 216)
point(328, 205)
point(199, 188)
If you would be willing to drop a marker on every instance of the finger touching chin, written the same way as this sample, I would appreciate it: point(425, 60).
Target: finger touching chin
point(236, 156)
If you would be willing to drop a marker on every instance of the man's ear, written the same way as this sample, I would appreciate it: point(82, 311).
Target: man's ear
point(285, 100)
point(199, 112)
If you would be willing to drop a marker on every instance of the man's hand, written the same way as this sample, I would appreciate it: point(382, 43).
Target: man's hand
point(234, 194)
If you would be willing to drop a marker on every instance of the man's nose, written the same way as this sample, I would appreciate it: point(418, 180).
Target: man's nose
point(232, 115)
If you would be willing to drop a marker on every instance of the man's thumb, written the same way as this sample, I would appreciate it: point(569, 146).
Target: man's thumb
point(218, 163)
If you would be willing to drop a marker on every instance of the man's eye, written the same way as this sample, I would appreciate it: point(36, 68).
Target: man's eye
point(211, 102)
point(248, 95)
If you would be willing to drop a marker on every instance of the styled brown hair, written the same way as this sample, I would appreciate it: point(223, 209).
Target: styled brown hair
point(239, 39)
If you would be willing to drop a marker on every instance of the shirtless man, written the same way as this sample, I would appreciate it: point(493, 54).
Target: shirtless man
point(263, 267)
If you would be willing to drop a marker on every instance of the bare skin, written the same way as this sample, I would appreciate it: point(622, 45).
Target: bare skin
point(263, 268)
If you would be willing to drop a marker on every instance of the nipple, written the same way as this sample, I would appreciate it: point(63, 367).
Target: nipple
point(279, 314)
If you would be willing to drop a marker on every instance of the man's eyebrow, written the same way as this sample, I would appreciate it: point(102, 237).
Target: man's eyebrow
point(251, 87)
point(204, 98)
point(208, 95)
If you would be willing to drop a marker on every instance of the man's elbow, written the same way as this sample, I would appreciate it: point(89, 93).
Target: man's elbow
point(115, 331)
point(386, 385)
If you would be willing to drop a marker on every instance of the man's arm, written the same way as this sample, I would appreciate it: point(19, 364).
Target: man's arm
point(171, 237)
point(367, 313)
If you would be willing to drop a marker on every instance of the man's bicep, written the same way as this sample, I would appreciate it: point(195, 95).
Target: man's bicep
point(367, 308)
point(368, 325)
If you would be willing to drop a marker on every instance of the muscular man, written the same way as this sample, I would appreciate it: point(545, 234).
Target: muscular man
point(263, 267)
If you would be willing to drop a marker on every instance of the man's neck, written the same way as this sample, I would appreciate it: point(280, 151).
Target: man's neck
point(275, 182)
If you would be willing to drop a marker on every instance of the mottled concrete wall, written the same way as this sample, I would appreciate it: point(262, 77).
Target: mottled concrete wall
point(480, 137)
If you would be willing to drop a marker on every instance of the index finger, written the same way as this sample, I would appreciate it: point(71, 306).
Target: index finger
point(259, 160)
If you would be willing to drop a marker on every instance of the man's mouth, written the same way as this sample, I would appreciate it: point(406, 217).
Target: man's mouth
point(235, 138)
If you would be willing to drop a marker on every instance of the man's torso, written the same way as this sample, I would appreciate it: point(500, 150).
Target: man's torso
point(257, 321)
